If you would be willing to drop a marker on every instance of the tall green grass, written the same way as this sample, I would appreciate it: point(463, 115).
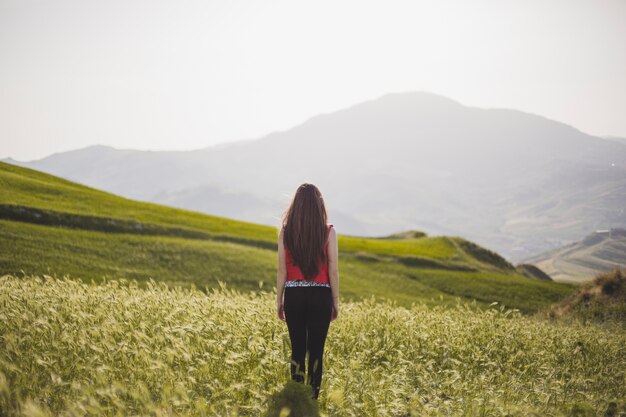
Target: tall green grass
point(68, 348)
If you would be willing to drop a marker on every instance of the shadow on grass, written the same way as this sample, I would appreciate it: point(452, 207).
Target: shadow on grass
point(294, 400)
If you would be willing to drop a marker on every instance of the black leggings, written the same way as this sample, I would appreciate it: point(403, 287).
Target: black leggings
point(307, 311)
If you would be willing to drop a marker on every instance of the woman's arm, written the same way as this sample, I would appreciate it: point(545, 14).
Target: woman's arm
point(333, 270)
point(281, 277)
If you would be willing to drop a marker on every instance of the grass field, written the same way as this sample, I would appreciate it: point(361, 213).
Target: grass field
point(56, 227)
point(73, 349)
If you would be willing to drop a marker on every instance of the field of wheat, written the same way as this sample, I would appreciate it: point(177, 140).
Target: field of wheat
point(70, 348)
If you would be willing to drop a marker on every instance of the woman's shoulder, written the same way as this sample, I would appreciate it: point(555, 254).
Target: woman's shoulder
point(330, 231)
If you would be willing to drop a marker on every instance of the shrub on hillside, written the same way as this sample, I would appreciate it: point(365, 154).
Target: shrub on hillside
point(533, 272)
point(601, 300)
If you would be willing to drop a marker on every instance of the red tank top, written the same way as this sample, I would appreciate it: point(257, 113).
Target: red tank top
point(294, 273)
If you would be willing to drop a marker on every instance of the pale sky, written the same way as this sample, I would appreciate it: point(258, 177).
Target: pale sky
point(187, 74)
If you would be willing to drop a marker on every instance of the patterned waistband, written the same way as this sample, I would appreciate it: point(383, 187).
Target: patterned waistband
point(305, 283)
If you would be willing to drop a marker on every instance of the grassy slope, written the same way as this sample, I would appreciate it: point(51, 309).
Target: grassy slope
point(368, 266)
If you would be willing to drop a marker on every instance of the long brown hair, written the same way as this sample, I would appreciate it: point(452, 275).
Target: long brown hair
point(304, 229)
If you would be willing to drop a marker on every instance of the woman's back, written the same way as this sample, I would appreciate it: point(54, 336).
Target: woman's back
point(294, 273)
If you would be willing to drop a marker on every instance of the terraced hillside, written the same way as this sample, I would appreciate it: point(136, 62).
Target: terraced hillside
point(56, 227)
point(578, 262)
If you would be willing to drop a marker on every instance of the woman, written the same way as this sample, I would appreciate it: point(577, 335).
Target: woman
point(309, 278)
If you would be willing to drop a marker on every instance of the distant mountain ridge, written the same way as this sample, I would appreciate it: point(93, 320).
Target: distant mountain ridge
point(514, 182)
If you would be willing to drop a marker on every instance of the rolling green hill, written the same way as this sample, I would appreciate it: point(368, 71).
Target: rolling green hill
point(56, 227)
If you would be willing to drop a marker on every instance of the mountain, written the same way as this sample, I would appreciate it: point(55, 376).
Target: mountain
point(616, 138)
point(601, 251)
point(514, 182)
point(55, 227)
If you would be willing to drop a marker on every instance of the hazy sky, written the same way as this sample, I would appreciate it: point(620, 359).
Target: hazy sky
point(187, 74)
